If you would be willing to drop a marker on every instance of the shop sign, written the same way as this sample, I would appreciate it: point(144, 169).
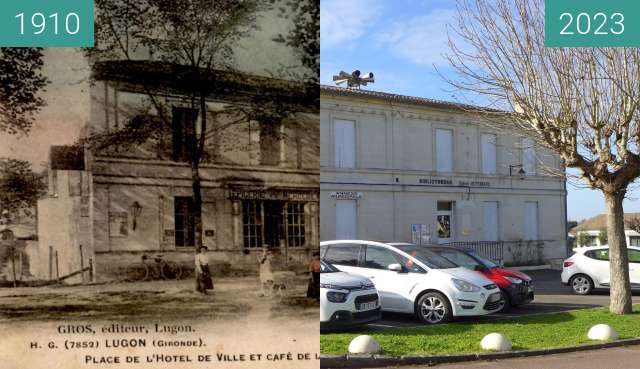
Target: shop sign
point(275, 195)
point(449, 182)
point(345, 195)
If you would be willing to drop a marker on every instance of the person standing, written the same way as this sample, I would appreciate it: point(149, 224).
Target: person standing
point(267, 278)
point(313, 290)
point(203, 274)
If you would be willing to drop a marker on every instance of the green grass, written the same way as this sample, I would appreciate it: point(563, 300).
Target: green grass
point(525, 333)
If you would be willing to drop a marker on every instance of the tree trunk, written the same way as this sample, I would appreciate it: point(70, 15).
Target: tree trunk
point(619, 259)
point(197, 204)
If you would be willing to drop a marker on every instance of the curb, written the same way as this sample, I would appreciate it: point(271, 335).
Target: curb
point(376, 361)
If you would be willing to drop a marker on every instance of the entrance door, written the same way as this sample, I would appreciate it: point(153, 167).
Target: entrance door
point(444, 219)
point(185, 222)
point(273, 230)
point(346, 220)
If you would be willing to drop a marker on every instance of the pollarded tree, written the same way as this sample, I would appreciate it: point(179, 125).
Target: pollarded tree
point(582, 103)
point(21, 81)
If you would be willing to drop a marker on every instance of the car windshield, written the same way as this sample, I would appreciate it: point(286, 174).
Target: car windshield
point(327, 268)
point(427, 257)
point(486, 262)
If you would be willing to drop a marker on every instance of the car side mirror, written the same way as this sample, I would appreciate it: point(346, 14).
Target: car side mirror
point(395, 267)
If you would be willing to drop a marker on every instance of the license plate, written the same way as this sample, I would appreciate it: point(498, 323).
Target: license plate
point(495, 297)
point(367, 306)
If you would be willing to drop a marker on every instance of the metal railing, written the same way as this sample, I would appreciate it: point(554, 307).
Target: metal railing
point(521, 252)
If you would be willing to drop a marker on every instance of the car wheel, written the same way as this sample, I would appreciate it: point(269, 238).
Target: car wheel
point(507, 302)
point(581, 284)
point(433, 308)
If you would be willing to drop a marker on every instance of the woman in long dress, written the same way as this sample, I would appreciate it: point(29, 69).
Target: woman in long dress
point(203, 274)
point(266, 272)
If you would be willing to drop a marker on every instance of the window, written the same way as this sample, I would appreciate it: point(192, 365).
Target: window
point(344, 143)
point(185, 221)
point(379, 258)
point(528, 157)
point(346, 220)
point(252, 223)
point(343, 255)
point(634, 256)
point(273, 223)
point(294, 222)
point(184, 133)
point(270, 144)
point(459, 258)
point(490, 220)
point(488, 153)
point(444, 150)
point(530, 220)
point(634, 240)
point(600, 254)
point(444, 218)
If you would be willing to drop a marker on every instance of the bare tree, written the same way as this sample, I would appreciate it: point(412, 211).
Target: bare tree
point(633, 223)
point(582, 103)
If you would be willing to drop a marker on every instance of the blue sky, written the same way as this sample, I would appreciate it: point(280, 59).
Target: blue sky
point(402, 42)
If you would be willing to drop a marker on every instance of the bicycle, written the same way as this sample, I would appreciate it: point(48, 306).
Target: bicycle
point(153, 267)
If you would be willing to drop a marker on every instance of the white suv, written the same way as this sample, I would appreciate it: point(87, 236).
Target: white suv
point(588, 268)
point(412, 279)
point(345, 299)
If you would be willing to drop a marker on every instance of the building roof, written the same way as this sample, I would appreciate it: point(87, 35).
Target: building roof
point(157, 76)
point(412, 100)
point(599, 222)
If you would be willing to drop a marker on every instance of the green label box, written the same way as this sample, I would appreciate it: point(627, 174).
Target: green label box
point(592, 23)
point(46, 23)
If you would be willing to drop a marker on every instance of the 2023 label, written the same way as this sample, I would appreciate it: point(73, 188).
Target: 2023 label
point(592, 23)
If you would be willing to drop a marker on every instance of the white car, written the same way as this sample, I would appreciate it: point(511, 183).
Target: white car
point(588, 268)
point(346, 299)
point(412, 279)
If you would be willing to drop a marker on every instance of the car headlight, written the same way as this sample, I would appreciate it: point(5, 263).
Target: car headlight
point(337, 296)
point(465, 286)
point(330, 286)
point(513, 280)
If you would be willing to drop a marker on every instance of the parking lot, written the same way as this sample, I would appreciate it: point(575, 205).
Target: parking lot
point(551, 296)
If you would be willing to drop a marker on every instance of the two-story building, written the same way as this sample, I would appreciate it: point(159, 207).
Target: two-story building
point(409, 169)
point(259, 183)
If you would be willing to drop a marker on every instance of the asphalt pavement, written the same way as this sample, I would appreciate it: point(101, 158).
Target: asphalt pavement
point(550, 296)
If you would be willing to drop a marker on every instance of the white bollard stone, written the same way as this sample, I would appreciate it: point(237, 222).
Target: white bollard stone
point(364, 345)
point(602, 332)
point(495, 342)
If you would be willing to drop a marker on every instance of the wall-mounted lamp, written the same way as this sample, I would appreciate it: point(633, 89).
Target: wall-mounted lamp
point(136, 209)
point(521, 173)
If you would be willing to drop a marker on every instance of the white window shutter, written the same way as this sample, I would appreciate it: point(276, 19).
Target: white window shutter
point(444, 150)
point(346, 220)
point(530, 220)
point(490, 220)
point(344, 143)
point(488, 144)
point(528, 157)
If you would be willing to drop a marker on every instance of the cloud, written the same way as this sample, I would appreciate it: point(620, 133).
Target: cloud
point(422, 40)
point(343, 21)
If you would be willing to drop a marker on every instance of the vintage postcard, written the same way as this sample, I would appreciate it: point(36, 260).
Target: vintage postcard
point(159, 191)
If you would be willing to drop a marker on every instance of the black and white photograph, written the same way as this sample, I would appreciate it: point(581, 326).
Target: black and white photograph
point(159, 192)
